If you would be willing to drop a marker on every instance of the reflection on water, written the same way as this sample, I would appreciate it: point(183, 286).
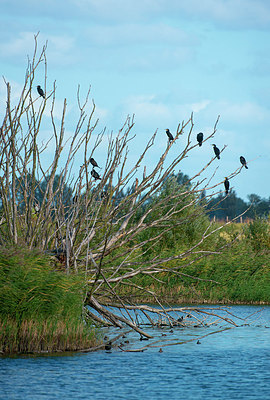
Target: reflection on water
point(233, 364)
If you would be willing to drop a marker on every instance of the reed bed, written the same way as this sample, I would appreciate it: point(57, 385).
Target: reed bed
point(41, 310)
point(44, 336)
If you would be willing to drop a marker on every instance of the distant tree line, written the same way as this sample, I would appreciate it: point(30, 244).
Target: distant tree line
point(222, 207)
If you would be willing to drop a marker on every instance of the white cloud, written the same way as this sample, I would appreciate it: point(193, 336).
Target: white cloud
point(153, 113)
point(145, 108)
point(241, 113)
point(130, 33)
point(196, 107)
point(231, 13)
point(17, 45)
point(100, 113)
point(234, 13)
point(60, 47)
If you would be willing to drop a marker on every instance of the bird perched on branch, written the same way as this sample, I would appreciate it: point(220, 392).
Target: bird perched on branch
point(75, 199)
point(93, 162)
point(216, 151)
point(40, 92)
point(227, 185)
point(170, 136)
point(200, 138)
point(95, 175)
point(108, 346)
point(243, 162)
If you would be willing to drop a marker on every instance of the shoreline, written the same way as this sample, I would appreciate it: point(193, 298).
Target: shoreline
point(188, 301)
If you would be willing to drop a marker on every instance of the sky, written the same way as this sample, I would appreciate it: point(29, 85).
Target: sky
point(160, 60)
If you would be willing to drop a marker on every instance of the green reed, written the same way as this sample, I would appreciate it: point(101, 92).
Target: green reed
point(40, 309)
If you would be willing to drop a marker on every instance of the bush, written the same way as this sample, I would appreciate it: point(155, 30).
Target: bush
point(258, 235)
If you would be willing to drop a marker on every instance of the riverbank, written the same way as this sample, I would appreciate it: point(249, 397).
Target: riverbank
point(187, 301)
point(238, 275)
point(41, 309)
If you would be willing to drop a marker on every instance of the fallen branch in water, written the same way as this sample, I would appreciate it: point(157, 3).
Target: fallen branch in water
point(162, 344)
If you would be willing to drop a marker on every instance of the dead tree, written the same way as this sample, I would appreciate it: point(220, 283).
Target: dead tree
point(96, 231)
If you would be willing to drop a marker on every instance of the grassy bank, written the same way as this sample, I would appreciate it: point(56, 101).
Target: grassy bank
point(41, 309)
point(219, 281)
point(222, 279)
point(240, 274)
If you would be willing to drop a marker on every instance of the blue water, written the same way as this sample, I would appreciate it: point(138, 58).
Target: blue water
point(233, 364)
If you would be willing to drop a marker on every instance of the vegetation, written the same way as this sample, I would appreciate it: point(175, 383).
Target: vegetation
point(125, 229)
point(222, 208)
point(41, 309)
point(238, 274)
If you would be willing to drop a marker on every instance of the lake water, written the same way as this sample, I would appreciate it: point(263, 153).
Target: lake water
point(233, 364)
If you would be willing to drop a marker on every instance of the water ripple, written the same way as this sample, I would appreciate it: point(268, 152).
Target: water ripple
point(231, 365)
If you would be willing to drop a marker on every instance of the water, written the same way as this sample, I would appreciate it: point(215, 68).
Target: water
point(234, 364)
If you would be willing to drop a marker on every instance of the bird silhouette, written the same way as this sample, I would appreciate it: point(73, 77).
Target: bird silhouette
point(108, 346)
point(216, 151)
point(200, 138)
point(40, 92)
point(93, 162)
point(143, 338)
point(95, 175)
point(243, 162)
point(75, 199)
point(227, 185)
point(170, 136)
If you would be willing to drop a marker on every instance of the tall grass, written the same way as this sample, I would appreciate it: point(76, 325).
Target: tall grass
point(32, 336)
point(242, 271)
point(40, 309)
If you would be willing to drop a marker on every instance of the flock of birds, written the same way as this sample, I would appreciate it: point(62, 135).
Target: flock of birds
point(96, 175)
point(217, 154)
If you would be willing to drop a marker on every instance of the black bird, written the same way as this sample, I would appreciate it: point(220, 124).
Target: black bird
point(143, 338)
point(95, 175)
point(40, 92)
point(93, 162)
point(243, 162)
point(217, 151)
point(108, 346)
point(75, 199)
point(200, 138)
point(198, 342)
point(227, 185)
point(170, 136)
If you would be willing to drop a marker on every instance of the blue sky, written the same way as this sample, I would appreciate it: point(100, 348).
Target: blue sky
point(161, 60)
